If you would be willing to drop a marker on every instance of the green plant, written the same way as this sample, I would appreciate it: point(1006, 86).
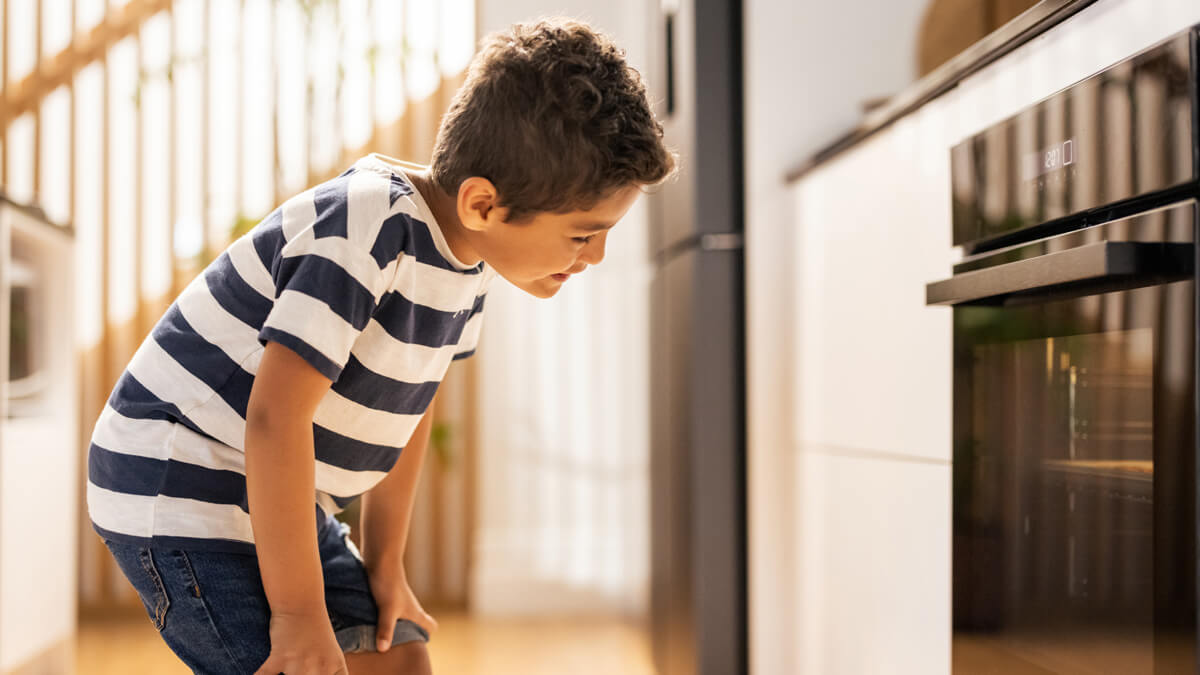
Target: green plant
point(241, 225)
point(440, 439)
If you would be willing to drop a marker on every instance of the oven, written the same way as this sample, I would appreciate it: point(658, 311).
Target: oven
point(1074, 444)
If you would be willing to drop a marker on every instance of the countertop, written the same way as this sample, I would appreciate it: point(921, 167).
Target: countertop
point(1037, 20)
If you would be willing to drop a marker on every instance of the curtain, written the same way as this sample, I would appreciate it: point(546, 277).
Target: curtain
point(563, 441)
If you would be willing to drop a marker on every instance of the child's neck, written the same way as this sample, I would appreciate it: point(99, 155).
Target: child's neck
point(445, 211)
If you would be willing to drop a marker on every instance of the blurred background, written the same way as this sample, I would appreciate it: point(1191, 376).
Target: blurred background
point(620, 481)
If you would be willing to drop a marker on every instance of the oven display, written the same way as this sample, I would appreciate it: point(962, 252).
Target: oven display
point(1048, 160)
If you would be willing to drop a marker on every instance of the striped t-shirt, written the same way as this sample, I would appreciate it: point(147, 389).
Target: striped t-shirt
point(353, 275)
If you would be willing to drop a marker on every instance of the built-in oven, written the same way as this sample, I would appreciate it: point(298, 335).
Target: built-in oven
point(1075, 370)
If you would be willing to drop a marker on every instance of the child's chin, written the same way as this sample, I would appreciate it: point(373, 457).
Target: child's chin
point(541, 288)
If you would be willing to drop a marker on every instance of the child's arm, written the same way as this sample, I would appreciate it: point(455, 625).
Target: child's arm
point(386, 513)
point(280, 484)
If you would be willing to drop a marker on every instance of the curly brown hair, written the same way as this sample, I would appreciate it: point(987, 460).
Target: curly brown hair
point(554, 117)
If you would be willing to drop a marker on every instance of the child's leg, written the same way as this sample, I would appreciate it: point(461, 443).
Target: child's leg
point(354, 614)
point(212, 611)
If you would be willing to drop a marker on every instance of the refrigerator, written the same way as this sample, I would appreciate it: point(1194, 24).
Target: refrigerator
point(698, 591)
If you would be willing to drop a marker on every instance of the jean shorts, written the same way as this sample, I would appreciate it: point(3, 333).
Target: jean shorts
point(212, 611)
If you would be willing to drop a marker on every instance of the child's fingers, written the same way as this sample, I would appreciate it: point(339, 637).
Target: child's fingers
point(281, 663)
point(385, 628)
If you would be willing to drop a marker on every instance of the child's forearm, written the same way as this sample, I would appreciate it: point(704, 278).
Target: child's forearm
point(387, 507)
point(280, 486)
point(280, 480)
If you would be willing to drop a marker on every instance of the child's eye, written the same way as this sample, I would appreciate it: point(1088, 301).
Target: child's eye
point(583, 240)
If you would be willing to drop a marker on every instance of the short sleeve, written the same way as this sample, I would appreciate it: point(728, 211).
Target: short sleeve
point(468, 342)
point(326, 289)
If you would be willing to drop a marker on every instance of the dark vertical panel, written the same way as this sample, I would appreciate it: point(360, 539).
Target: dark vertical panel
point(1194, 97)
point(718, 329)
point(718, 462)
point(717, 156)
point(672, 567)
point(698, 609)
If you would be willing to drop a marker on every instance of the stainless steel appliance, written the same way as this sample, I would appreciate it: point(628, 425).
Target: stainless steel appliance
point(1075, 371)
point(697, 452)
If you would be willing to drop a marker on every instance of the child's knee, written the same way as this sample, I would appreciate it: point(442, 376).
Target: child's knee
point(411, 658)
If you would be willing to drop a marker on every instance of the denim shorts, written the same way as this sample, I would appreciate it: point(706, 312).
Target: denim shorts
point(211, 609)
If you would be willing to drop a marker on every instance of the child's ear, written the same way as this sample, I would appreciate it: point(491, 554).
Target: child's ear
point(477, 204)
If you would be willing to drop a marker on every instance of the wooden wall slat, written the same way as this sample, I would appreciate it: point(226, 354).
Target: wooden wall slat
point(60, 69)
point(172, 151)
point(139, 193)
point(410, 137)
point(276, 175)
point(205, 121)
point(103, 560)
point(37, 108)
point(4, 118)
point(239, 118)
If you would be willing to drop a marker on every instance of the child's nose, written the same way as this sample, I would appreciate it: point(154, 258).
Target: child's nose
point(593, 252)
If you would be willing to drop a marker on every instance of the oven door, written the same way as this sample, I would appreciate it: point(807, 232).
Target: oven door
point(1074, 477)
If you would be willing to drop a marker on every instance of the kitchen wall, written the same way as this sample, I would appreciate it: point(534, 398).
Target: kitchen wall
point(808, 67)
point(870, 579)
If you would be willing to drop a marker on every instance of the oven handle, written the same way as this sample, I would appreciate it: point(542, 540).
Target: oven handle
point(1124, 263)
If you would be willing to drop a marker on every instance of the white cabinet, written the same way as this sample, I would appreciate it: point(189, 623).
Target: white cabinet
point(870, 587)
point(872, 408)
point(39, 458)
point(874, 592)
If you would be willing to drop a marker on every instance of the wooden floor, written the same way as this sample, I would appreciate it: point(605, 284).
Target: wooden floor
point(462, 646)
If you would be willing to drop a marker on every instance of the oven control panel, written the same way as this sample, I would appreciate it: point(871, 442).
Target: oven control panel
point(1124, 135)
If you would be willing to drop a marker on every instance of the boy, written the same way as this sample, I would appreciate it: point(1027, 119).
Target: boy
point(285, 379)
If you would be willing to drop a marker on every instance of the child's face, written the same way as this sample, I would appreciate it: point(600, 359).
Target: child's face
point(540, 254)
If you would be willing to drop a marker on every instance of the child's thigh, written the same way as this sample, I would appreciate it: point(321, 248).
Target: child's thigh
point(209, 607)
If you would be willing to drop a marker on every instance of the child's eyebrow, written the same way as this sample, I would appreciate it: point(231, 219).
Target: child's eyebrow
point(595, 227)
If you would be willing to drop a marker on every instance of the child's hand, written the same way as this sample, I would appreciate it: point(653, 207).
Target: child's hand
point(396, 601)
point(303, 644)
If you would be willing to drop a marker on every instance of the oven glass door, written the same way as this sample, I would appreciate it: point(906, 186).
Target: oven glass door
point(1074, 484)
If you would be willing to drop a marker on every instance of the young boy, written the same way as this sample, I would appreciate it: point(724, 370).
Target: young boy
point(286, 379)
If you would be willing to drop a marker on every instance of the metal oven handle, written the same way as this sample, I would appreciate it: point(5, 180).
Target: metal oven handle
point(1129, 263)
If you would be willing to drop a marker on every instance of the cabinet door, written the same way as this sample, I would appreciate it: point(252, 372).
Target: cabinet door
point(40, 453)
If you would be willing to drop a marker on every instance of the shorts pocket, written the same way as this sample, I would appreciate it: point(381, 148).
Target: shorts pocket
point(154, 595)
point(138, 565)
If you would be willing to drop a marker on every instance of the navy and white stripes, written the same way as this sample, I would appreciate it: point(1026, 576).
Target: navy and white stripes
point(355, 277)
